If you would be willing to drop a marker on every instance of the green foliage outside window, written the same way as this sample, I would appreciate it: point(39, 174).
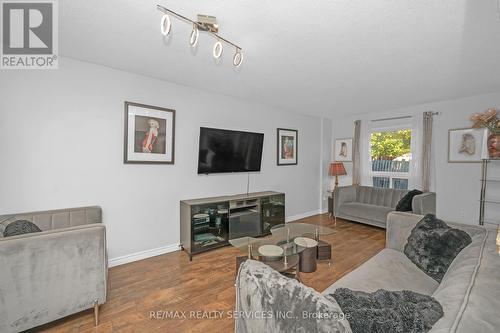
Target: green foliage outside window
point(389, 145)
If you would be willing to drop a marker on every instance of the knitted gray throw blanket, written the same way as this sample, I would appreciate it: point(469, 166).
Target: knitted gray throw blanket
point(388, 311)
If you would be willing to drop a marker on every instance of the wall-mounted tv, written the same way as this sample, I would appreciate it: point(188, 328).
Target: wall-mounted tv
point(229, 151)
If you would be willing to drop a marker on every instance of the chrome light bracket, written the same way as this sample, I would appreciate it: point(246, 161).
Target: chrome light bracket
point(208, 23)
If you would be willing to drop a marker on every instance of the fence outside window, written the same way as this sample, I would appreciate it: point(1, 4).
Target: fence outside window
point(390, 174)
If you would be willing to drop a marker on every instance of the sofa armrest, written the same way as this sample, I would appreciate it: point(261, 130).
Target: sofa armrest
point(49, 275)
point(424, 203)
point(344, 194)
point(399, 227)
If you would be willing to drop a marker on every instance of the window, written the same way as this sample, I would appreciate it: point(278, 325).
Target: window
point(390, 158)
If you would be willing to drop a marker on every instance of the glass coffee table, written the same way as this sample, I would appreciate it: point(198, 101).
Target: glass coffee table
point(282, 248)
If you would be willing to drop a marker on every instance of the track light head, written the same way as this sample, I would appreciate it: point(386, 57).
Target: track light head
point(195, 33)
point(238, 58)
point(166, 25)
point(217, 50)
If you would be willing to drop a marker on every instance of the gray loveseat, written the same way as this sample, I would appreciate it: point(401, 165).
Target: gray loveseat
point(51, 274)
point(371, 205)
point(469, 292)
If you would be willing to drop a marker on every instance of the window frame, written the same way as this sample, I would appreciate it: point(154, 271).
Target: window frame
point(391, 174)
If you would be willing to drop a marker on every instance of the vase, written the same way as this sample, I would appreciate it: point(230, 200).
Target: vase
point(494, 145)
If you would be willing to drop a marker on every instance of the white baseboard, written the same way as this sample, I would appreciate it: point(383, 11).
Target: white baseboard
point(175, 247)
point(303, 215)
point(142, 255)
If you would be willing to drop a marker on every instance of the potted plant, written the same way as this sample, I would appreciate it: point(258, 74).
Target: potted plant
point(489, 119)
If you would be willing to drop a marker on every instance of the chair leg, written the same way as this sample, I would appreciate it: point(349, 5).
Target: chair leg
point(96, 312)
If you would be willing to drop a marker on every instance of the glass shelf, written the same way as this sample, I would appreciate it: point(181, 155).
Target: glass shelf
point(273, 212)
point(300, 229)
point(210, 225)
point(283, 236)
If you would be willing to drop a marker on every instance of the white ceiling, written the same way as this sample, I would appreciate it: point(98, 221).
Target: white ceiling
point(315, 57)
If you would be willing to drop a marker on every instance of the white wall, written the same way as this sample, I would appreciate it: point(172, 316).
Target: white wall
point(61, 145)
point(457, 184)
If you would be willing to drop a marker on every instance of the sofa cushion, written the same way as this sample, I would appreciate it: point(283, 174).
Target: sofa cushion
point(20, 227)
point(404, 205)
point(388, 311)
point(365, 211)
point(389, 269)
point(432, 246)
point(379, 196)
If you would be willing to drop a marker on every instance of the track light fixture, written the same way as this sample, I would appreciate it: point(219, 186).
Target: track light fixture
point(205, 23)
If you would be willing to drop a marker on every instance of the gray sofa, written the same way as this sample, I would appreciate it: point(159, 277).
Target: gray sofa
point(469, 292)
point(370, 205)
point(54, 273)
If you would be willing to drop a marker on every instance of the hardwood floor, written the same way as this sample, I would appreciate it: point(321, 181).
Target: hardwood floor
point(171, 283)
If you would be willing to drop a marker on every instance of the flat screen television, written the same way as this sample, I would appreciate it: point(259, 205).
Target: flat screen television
point(229, 151)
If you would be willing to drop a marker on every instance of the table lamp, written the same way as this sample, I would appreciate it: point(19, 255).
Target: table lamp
point(337, 169)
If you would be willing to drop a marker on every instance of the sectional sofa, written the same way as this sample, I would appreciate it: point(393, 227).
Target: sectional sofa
point(469, 292)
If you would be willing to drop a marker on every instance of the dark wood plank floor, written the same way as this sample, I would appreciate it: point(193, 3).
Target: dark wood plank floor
point(171, 283)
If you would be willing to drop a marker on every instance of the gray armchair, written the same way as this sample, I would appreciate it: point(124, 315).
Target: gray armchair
point(371, 205)
point(54, 273)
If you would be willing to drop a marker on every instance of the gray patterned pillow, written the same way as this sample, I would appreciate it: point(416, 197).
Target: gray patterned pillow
point(20, 227)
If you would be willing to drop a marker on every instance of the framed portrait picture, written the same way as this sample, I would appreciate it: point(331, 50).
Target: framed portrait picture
point(149, 134)
point(343, 150)
point(287, 141)
point(467, 145)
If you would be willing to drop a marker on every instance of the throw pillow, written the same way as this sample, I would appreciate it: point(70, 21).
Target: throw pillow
point(20, 227)
point(388, 311)
point(432, 246)
point(404, 204)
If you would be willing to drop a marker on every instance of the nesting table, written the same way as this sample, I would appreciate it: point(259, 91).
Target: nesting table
point(291, 248)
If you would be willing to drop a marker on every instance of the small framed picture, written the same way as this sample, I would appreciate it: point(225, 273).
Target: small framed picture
point(287, 148)
point(467, 145)
point(149, 134)
point(343, 150)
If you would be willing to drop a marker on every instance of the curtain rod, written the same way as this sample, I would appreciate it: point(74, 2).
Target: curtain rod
point(434, 113)
point(393, 118)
